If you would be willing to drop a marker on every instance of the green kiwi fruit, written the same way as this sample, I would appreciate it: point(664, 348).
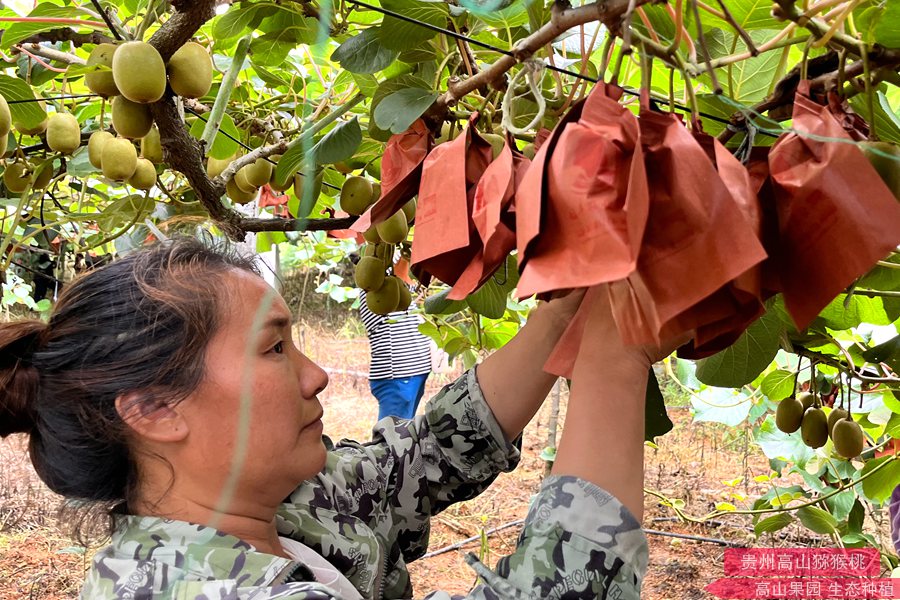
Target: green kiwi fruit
point(118, 159)
point(371, 235)
point(806, 399)
point(394, 229)
point(405, 296)
point(131, 119)
point(369, 273)
point(356, 195)
point(139, 72)
point(215, 166)
point(834, 416)
point(259, 173)
point(789, 414)
point(16, 176)
point(102, 82)
point(144, 177)
point(96, 142)
point(237, 195)
point(191, 71)
point(243, 182)
point(409, 209)
point(273, 181)
point(5, 118)
point(497, 142)
point(385, 299)
point(151, 146)
point(814, 428)
point(63, 133)
point(848, 438)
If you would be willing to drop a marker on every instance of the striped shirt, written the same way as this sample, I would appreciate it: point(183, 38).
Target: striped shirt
point(396, 347)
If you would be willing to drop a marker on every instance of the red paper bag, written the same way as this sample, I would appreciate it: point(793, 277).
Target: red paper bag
point(401, 168)
point(836, 217)
point(590, 175)
point(445, 239)
point(696, 241)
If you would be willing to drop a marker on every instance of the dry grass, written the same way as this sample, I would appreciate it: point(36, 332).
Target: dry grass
point(38, 561)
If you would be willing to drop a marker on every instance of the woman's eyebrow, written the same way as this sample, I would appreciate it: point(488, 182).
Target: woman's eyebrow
point(277, 322)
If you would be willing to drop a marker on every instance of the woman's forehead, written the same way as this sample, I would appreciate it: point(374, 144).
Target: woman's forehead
point(252, 299)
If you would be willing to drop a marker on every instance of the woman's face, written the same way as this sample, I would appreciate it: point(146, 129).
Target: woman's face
point(255, 419)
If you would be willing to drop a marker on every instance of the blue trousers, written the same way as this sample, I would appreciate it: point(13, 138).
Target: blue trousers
point(398, 397)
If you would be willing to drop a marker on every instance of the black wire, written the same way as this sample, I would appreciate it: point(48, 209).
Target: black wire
point(577, 75)
point(107, 20)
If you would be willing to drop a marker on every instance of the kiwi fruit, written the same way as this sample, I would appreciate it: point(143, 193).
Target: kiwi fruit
point(130, 119)
point(369, 273)
point(118, 159)
point(5, 118)
point(214, 166)
point(95, 146)
point(191, 71)
point(371, 235)
point(144, 177)
point(806, 399)
point(139, 72)
point(237, 195)
point(529, 151)
point(259, 173)
point(848, 438)
point(833, 417)
point(789, 414)
point(497, 142)
point(273, 181)
point(63, 133)
point(36, 130)
point(356, 195)
point(385, 299)
point(4, 143)
point(102, 82)
point(43, 175)
point(888, 167)
point(300, 181)
point(151, 146)
point(409, 209)
point(16, 177)
point(394, 229)
point(405, 296)
point(243, 182)
point(384, 252)
point(814, 428)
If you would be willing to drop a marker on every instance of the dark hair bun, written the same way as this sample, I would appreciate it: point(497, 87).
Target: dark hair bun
point(18, 377)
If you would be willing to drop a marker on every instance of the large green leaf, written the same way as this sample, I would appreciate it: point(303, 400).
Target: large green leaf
point(397, 34)
point(747, 81)
point(859, 309)
point(398, 111)
point(364, 53)
point(235, 22)
point(817, 520)
point(438, 304)
point(26, 113)
point(778, 385)
point(887, 125)
point(16, 32)
point(340, 143)
point(878, 487)
point(488, 300)
point(774, 523)
point(721, 405)
point(749, 14)
point(776, 444)
point(886, 31)
point(740, 363)
point(223, 147)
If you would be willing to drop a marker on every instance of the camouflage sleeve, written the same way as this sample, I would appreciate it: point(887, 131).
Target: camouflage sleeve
point(450, 453)
point(578, 542)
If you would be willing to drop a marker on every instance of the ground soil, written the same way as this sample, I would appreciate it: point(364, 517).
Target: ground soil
point(38, 559)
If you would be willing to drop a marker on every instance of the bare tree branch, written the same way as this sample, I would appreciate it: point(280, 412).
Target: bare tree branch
point(297, 224)
point(248, 159)
point(69, 35)
point(50, 53)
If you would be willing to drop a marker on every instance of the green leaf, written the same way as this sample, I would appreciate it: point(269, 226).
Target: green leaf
point(817, 520)
point(778, 385)
point(16, 32)
point(397, 34)
point(234, 23)
point(879, 486)
point(488, 300)
point(438, 304)
point(398, 111)
point(749, 14)
point(747, 81)
point(740, 363)
point(656, 419)
point(364, 53)
point(859, 309)
point(223, 147)
point(841, 504)
point(774, 523)
point(721, 405)
point(884, 352)
point(886, 31)
point(367, 84)
point(776, 444)
point(29, 114)
point(886, 122)
point(338, 144)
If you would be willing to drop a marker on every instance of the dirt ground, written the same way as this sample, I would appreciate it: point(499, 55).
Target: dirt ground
point(38, 561)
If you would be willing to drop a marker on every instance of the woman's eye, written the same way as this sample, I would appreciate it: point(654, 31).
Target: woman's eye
point(278, 348)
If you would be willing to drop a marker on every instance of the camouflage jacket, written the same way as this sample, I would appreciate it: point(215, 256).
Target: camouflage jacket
point(368, 514)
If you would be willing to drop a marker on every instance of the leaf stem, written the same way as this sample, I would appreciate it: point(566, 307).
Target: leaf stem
point(218, 110)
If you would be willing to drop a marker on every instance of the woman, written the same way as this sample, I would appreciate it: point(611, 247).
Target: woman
point(166, 389)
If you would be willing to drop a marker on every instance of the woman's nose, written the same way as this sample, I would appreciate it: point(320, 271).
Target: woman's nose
point(313, 378)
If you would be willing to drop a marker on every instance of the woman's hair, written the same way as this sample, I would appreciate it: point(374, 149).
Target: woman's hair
point(140, 325)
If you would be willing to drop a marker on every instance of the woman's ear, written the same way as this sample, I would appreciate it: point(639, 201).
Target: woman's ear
point(155, 421)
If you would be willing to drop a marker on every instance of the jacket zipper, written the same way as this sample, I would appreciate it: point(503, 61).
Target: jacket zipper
point(287, 573)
